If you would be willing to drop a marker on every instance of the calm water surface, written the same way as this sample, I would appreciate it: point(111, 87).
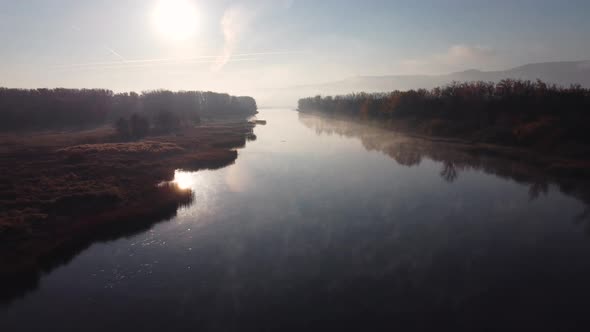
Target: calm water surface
point(324, 224)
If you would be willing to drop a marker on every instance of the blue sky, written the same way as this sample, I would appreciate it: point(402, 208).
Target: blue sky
point(238, 46)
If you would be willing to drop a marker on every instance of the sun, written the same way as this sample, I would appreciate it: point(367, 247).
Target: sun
point(176, 19)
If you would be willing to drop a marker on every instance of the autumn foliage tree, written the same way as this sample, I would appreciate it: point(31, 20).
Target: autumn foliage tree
point(510, 111)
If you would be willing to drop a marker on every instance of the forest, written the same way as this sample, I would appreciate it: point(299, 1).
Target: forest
point(39, 109)
point(509, 112)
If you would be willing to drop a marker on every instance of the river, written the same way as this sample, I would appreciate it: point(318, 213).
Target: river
point(322, 223)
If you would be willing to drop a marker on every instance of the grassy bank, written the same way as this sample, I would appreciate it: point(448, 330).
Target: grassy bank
point(60, 192)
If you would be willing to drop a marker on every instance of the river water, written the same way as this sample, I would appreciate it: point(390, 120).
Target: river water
point(325, 224)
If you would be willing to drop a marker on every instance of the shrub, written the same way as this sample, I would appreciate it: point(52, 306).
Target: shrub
point(122, 128)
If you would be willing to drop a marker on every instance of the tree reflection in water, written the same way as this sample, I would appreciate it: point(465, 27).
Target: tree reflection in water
point(456, 157)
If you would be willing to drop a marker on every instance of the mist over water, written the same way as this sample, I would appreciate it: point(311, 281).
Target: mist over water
point(321, 221)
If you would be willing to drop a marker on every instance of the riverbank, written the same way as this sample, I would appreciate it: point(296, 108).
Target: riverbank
point(557, 158)
point(60, 192)
point(534, 116)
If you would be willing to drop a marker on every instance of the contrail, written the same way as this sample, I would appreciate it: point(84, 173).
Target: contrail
point(113, 52)
point(166, 60)
point(128, 65)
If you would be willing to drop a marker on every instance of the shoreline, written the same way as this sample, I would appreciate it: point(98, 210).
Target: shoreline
point(554, 163)
point(66, 191)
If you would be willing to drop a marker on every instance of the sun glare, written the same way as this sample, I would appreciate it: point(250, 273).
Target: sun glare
point(176, 19)
point(184, 180)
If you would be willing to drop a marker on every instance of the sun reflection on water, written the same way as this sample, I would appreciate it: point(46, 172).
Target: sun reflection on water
point(184, 180)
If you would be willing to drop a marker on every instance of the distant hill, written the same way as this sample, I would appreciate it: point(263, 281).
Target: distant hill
point(561, 73)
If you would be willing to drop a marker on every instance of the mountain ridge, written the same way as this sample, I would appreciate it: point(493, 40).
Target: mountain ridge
point(562, 73)
point(540, 68)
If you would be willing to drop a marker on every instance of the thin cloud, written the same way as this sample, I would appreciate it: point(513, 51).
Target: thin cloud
point(459, 55)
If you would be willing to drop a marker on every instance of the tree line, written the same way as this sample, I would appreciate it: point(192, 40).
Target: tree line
point(34, 109)
point(509, 111)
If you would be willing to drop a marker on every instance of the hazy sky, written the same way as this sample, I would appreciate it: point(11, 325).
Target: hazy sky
point(239, 46)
